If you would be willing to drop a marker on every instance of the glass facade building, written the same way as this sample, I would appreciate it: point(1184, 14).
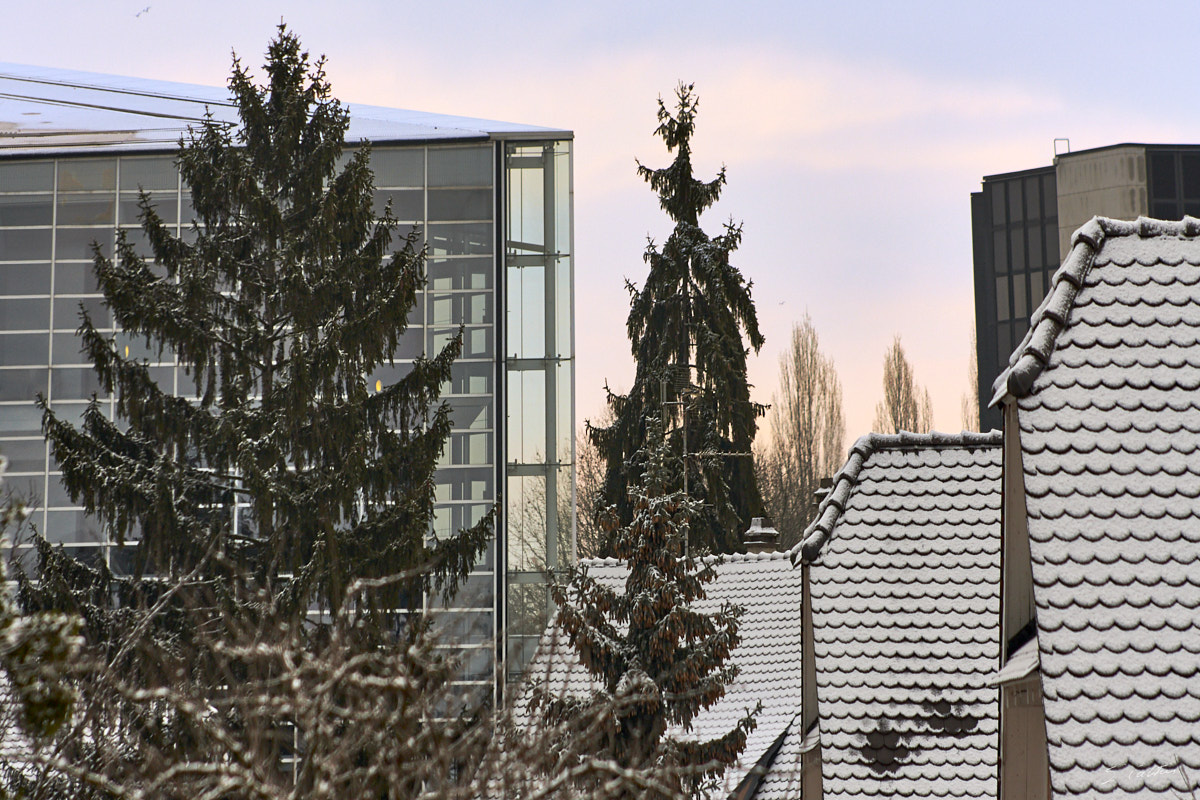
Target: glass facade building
point(495, 209)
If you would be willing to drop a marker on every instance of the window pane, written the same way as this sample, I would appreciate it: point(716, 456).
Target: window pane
point(1033, 200)
point(27, 176)
point(72, 527)
point(17, 349)
point(1016, 243)
point(408, 205)
point(1000, 251)
point(1018, 289)
point(463, 239)
point(74, 383)
point(26, 210)
point(1034, 246)
point(67, 315)
point(996, 191)
point(22, 383)
point(76, 243)
point(24, 314)
point(451, 204)
point(75, 279)
point(398, 167)
point(25, 245)
point(470, 413)
point(21, 419)
point(1162, 176)
point(460, 273)
point(24, 455)
point(1014, 202)
point(86, 209)
point(469, 379)
point(157, 172)
point(460, 166)
point(1002, 298)
point(1191, 174)
point(24, 279)
point(80, 174)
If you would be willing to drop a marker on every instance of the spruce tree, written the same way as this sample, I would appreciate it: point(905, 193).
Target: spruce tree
point(286, 485)
point(284, 298)
point(685, 327)
point(655, 657)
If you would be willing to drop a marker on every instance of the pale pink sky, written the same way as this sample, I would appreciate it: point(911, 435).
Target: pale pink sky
point(852, 135)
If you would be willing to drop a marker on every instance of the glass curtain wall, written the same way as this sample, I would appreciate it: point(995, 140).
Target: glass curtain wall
point(52, 210)
point(539, 365)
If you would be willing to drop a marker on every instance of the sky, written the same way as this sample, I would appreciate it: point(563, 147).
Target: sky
point(852, 133)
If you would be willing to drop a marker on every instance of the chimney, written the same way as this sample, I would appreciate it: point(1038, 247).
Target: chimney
point(761, 537)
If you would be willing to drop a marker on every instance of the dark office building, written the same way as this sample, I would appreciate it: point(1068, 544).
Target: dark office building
point(1022, 222)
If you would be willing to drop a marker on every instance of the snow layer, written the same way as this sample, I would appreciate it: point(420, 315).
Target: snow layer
point(905, 574)
point(1110, 433)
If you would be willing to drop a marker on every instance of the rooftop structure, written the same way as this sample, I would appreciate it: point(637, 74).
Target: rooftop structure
point(1102, 420)
point(1022, 222)
point(493, 201)
point(902, 568)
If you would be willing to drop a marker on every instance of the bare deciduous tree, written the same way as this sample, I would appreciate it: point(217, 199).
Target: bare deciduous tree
point(970, 400)
point(807, 433)
point(905, 405)
point(590, 471)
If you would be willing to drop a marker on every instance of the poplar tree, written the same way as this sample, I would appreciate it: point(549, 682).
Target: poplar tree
point(686, 326)
point(656, 658)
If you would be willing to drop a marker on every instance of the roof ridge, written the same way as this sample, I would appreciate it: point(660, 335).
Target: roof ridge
point(1048, 321)
point(846, 478)
point(773, 555)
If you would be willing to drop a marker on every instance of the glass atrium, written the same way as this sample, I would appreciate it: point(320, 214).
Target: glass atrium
point(496, 217)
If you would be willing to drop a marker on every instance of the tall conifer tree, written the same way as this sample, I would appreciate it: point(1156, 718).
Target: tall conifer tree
point(656, 659)
point(286, 482)
point(286, 296)
point(685, 327)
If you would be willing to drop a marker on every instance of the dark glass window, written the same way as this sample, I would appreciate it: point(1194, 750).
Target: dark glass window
point(1033, 235)
point(1162, 175)
point(1002, 299)
point(1016, 241)
point(1000, 251)
point(997, 199)
point(1014, 203)
point(1033, 200)
point(1190, 169)
point(1020, 309)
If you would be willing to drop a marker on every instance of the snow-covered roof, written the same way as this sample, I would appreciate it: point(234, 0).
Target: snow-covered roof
point(769, 590)
point(1109, 418)
point(905, 598)
point(44, 109)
